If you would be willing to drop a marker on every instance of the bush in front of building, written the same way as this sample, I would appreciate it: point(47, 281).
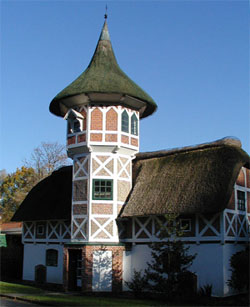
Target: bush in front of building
point(168, 272)
point(239, 263)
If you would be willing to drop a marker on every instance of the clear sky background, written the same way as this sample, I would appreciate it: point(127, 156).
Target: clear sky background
point(190, 56)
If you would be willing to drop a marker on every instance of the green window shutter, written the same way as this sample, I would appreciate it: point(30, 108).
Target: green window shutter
point(3, 242)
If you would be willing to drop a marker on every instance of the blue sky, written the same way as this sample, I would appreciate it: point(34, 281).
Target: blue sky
point(190, 56)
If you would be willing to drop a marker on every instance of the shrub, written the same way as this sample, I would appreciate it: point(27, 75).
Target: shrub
point(239, 263)
point(138, 284)
point(205, 291)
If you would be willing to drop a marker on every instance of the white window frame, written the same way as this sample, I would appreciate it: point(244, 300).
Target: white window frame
point(245, 203)
point(188, 229)
point(73, 116)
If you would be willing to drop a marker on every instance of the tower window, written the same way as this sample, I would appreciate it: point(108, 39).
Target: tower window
point(75, 121)
point(134, 125)
point(125, 120)
point(103, 189)
point(241, 201)
point(74, 126)
point(51, 257)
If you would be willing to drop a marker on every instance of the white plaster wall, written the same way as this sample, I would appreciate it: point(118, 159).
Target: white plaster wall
point(229, 250)
point(211, 265)
point(136, 259)
point(208, 266)
point(35, 254)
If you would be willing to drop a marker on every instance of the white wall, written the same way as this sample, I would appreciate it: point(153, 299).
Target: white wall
point(211, 265)
point(136, 259)
point(35, 254)
point(229, 250)
point(208, 266)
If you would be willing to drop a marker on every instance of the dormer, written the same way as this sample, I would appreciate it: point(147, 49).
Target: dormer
point(75, 121)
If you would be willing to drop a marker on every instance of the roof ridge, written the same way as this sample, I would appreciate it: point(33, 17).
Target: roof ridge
point(229, 141)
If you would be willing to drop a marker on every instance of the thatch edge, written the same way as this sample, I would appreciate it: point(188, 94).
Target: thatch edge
point(226, 141)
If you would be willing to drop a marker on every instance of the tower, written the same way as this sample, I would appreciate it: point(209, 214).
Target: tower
point(102, 107)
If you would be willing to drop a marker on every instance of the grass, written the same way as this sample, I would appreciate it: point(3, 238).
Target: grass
point(37, 295)
point(45, 297)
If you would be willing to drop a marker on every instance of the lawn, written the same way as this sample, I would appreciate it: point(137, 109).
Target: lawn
point(41, 296)
point(60, 299)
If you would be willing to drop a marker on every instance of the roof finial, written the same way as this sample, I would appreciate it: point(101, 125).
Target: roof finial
point(106, 12)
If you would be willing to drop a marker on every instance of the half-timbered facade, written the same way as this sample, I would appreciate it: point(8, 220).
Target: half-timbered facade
point(89, 225)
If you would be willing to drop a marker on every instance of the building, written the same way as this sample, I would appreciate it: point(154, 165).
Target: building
point(89, 226)
point(11, 250)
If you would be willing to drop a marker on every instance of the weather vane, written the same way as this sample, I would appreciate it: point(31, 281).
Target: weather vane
point(106, 12)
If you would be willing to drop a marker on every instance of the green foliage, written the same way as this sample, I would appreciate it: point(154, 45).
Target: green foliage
point(168, 272)
point(138, 284)
point(13, 189)
point(239, 263)
point(170, 259)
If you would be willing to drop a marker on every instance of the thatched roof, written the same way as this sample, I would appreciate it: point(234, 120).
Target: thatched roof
point(102, 76)
point(50, 199)
point(186, 180)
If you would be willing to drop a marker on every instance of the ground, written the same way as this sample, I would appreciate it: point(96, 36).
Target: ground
point(52, 298)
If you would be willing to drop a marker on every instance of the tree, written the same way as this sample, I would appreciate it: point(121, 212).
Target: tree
point(3, 174)
point(168, 272)
point(13, 189)
point(46, 158)
point(171, 260)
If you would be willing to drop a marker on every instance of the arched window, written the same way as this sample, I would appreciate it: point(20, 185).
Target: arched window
point(134, 125)
point(125, 121)
point(51, 257)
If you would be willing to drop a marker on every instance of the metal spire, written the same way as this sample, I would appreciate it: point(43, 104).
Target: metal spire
point(106, 12)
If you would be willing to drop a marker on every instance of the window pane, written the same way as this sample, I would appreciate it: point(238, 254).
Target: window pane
point(241, 200)
point(51, 257)
point(134, 125)
point(125, 121)
point(102, 189)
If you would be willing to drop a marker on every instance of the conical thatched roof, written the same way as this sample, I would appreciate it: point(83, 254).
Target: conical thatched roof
point(102, 76)
point(189, 180)
point(50, 199)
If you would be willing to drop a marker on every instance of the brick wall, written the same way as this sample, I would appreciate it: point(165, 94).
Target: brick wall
point(87, 266)
point(111, 120)
point(241, 179)
point(96, 120)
